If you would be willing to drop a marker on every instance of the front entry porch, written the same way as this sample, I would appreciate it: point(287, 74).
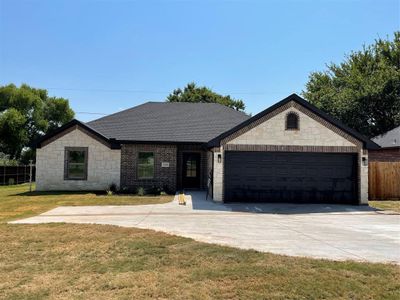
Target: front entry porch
point(191, 170)
point(191, 167)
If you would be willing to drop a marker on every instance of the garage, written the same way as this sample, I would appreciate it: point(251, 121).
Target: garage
point(291, 152)
point(296, 177)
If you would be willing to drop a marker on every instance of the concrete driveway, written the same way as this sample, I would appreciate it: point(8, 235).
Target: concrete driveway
point(322, 231)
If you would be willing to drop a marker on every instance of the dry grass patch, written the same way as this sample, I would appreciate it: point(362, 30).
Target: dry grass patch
point(386, 205)
point(16, 202)
point(100, 261)
point(67, 261)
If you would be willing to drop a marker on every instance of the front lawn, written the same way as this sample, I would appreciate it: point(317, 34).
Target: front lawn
point(103, 262)
point(16, 202)
point(71, 261)
point(386, 205)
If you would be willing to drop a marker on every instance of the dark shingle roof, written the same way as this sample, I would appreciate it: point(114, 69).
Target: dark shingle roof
point(169, 122)
point(389, 139)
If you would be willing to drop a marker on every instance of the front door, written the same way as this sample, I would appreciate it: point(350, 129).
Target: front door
point(191, 170)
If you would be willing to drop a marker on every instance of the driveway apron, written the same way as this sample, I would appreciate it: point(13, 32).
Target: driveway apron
point(336, 232)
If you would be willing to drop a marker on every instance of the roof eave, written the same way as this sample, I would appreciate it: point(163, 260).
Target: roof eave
point(387, 147)
point(112, 142)
point(160, 142)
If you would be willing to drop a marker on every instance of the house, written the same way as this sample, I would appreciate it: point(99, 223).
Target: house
point(291, 152)
point(390, 146)
point(384, 167)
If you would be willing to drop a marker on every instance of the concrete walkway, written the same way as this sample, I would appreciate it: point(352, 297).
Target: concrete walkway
point(322, 231)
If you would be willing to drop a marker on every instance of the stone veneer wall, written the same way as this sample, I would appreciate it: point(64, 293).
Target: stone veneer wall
point(210, 160)
point(272, 132)
point(218, 175)
point(270, 135)
point(164, 177)
point(103, 164)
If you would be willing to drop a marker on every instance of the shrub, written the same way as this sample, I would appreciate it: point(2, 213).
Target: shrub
point(113, 188)
point(124, 190)
point(166, 190)
point(11, 181)
point(154, 190)
point(140, 191)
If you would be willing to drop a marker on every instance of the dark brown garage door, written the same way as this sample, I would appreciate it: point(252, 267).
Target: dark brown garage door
point(290, 177)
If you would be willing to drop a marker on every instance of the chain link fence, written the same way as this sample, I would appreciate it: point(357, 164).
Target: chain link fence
point(10, 175)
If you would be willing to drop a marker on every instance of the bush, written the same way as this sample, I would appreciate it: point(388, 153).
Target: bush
point(113, 188)
point(124, 190)
point(11, 181)
point(166, 190)
point(140, 191)
point(154, 190)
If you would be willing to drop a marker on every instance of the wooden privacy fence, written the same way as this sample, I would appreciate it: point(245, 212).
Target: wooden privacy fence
point(384, 180)
point(15, 174)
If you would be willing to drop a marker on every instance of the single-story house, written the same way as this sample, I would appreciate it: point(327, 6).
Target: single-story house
point(290, 152)
point(390, 146)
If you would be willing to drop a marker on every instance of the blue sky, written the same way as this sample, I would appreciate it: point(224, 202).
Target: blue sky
point(105, 56)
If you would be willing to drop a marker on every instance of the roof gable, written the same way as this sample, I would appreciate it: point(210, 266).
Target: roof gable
point(70, 126)
point(367, 143)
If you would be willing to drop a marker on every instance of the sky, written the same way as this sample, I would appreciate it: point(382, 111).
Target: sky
point(106, 56)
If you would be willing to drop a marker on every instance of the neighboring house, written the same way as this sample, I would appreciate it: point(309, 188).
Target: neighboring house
point(290, 152)
point(384, 167)
point(390, 143)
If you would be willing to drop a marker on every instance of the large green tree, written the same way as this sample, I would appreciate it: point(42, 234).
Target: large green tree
point(364, 90)
point(26, 114)
point(194, 93)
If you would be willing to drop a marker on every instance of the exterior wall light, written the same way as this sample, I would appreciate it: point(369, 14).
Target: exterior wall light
point(219, 158)
point(365, 161)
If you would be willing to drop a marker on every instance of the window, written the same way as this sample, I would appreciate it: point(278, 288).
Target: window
point(146, 165)
point(292, 121)
point(75, 163)
point(191, 168)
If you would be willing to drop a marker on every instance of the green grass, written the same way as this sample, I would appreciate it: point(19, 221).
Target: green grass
point(386, 205)
point(68, 261)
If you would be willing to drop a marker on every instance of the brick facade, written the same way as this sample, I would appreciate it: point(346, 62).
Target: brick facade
point(107, 165)
point(385, 154)
point(291, 148)
point(164, 177)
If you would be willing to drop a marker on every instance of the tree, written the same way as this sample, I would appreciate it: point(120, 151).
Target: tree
point(364, 90)
point(26, 114)
point(193, 93)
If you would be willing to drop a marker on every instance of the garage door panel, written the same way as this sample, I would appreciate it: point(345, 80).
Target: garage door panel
point(290, 177)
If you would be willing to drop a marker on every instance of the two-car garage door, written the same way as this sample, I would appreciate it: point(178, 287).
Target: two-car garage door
point(298, 177)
